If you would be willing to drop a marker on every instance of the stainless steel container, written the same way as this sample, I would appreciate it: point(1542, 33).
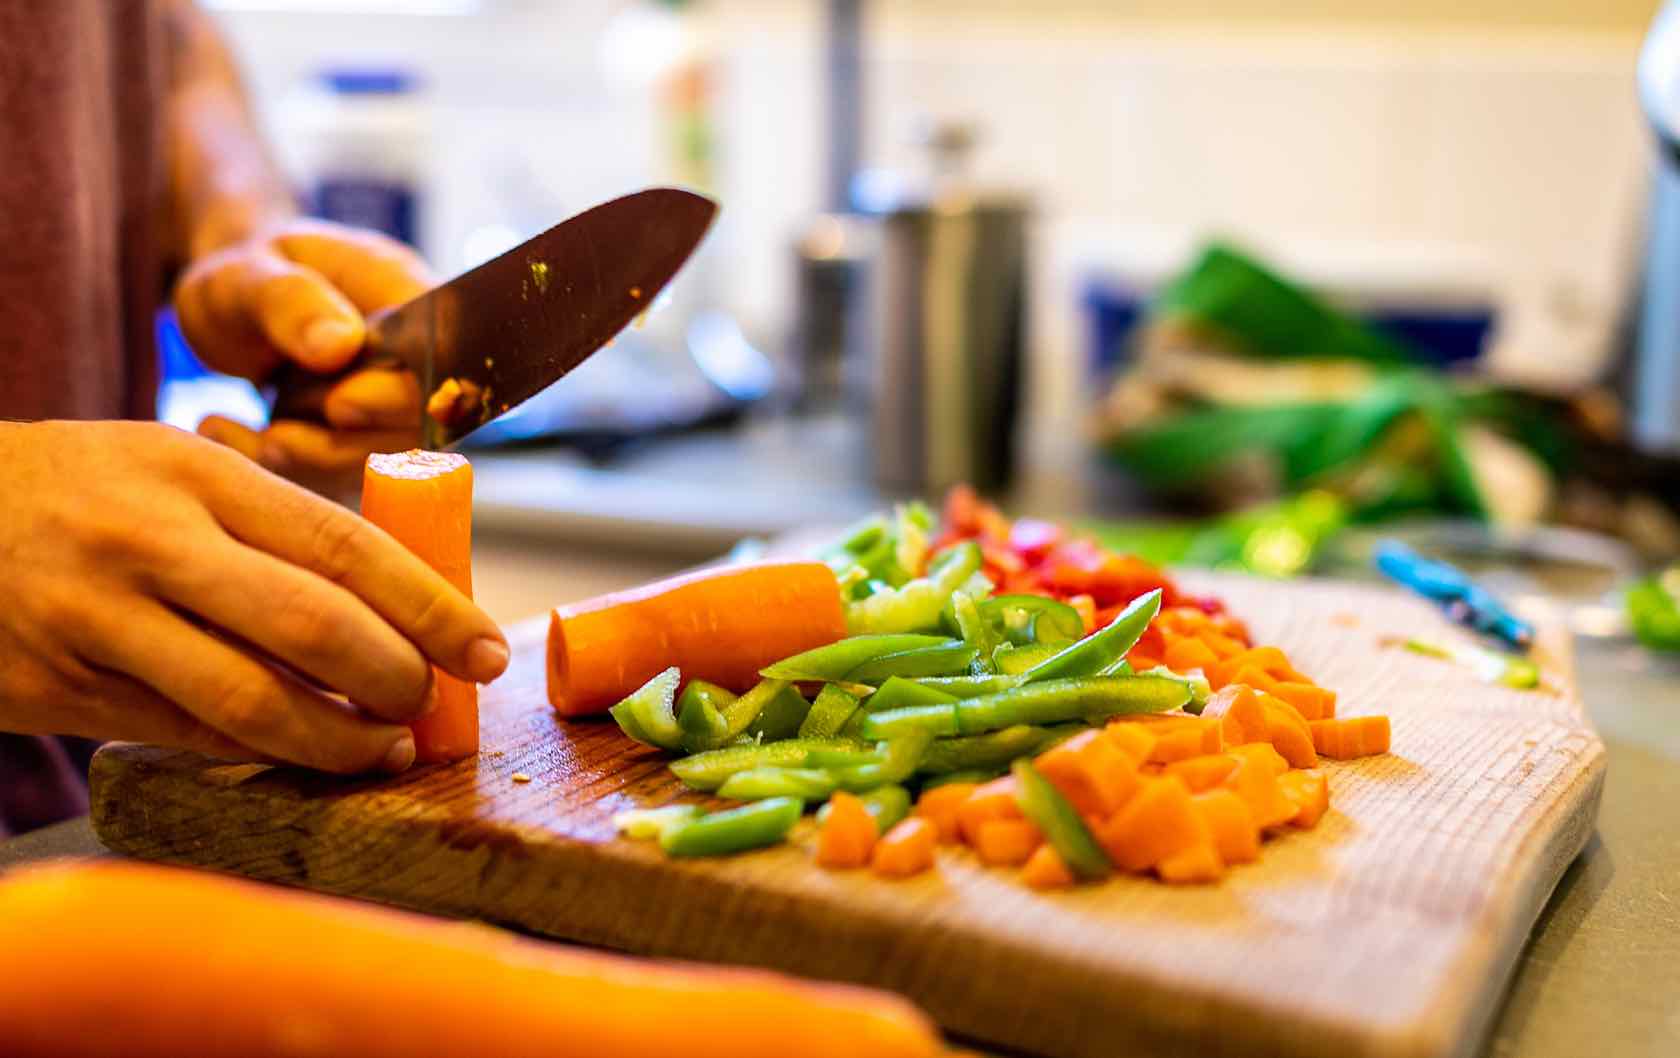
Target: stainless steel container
point(947, 297)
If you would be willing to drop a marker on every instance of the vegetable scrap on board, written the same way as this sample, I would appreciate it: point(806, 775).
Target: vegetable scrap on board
point(1062, 710)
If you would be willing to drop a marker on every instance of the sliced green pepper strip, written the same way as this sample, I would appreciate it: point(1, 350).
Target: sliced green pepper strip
point(646, 714)
point(917, 606)
point(781, 717)
point(899, 692)
point(936, 720)
point(740, 714)
point(1200, 689)
point(834, 661)
point(736, 830)
point(965, 616)
point(973, 775)
point(994, 750)
point(646, 823)
point(1012, 660)
point(887, 805)
point(1653, 609)
point(1045, 806)
point(1056, 701)
point(755, 784)
point(707, 771)
point(951, 658)
point(843, 758)
point(1024, 620)
point(1101, 648)
point(828, 714)
point(969, 686)
point(903, 754)
point(701, 715)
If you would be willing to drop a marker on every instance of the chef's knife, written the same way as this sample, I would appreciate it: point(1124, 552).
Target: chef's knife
point(495, 336)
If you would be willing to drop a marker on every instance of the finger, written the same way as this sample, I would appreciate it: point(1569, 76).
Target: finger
point(210, 306)
point(305, 530)
point(376, 399)
point(292, 444)
point(252, 703)
point(373, 270)
point(235, 435)
point(301, 312)
point(120, 708)
point(315, 627)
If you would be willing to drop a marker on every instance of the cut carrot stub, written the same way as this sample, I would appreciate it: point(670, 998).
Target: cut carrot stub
point(1235, 834)
point(1311, 701)
point(993, 800)
point(1242, 719)
point(1185, 653)
point(462, 989)
point(1094, 774)
point(848, 834)
point(1199, 863)
point(1203, 772)
point(1158, 822)
point(1349, 737)
point(1256, 783)
point(1288, 733)
point(717, 625)
point(1309, 792)
point(424, 500)
point(906, 849)
point(1044, 869)
point(1006, 842)
point(939, 806)
point(1131, 739)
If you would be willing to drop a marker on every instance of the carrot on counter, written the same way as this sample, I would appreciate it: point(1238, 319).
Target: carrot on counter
point(1044, 869)
point(1006, 842)
point(113, 959)
point(997, 799)
point(906, 849)
point(1309, 792)
point(1203, 772)
point(939, 805)
point(848, 835)
point(424, 500)
point(1353, 736)
point(1091, 771)
point(1235, 835)
point(1197, 863)
point(1241, 718)
point(1288, 733)
point(1256, 782)
point(717, 625)
point(1157, 823)
point(1310, 700)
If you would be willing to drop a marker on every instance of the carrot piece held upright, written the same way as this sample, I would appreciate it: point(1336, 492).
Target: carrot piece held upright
point(717, 625)
point(424, 500)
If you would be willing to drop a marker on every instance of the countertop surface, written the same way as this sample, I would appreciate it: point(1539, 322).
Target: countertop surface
point(1601, 973)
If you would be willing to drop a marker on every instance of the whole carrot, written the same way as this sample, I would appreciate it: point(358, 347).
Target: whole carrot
point(717, 625)
point(424, 500)
point(101, 960)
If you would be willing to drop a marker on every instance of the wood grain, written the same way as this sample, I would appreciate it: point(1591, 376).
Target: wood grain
point(1387, 931)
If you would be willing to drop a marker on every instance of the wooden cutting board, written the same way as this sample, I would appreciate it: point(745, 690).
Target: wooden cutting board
point(1387, 931)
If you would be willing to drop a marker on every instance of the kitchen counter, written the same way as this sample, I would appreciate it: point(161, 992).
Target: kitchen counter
point(1601, 973)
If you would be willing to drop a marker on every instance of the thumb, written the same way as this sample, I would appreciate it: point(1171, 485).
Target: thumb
point(303, 315)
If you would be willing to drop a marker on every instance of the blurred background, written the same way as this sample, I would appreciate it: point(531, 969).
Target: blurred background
point(1232, 280)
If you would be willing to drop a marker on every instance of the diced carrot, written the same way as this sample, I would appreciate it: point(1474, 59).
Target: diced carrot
point(848, 835)
point(1242, 719)
point(1232, 824)
point(1176, 743)
point(1094, 774)
point(720, 625)
point(993, 800)
point(940, 806)
point(424, 500)
point(1006, 842)
point(1309, 792)
point(1262, 754)
point(1203, 772)
point(123, 958)
point(1349, 737)
point(1086, 608)
point(1256, 783)
point(1288, 733)
point(1143, 662)
point(1185, 653)
point(1196, 864)
point(1257, 678)
point(1151, 770)
point(1270, 660)
point(1045, 870)
point(1223, 645)
point(1158, 822)
point(1131, 739)
point(906, 849)
point(1311, 701)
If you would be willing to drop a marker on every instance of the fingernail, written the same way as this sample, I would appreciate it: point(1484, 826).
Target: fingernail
point(327, 337)
point(274, 457)
point(487, 659)
point(400, 757)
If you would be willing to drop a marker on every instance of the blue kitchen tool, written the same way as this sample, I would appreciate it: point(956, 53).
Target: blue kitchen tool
point(1457, 594)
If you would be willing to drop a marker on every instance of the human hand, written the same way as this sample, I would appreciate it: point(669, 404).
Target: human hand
point(298, 292)
point(162, 589)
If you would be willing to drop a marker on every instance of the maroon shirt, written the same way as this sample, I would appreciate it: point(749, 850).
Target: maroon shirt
point(82, 203)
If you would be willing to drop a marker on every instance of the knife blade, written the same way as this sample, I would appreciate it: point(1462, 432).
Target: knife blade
point(495, 336)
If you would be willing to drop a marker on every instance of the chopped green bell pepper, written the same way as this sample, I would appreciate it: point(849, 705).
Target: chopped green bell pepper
point(1024, 620)
point(887, 805)
point(782, 716)
point(1050, 812)
point(1653, 606)
point(899, 692)
point(1103, 647)
point(736, 830)
point(829, 713)
point(648, 709)
point(834, 661)
point(936, 720)
point(647, 823)
point(708, 770)
point(755, 784)
point(993, 751)
point(951, 658)
point(1057, 701)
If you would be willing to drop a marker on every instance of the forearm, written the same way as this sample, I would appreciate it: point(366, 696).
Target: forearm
point(224, 183)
